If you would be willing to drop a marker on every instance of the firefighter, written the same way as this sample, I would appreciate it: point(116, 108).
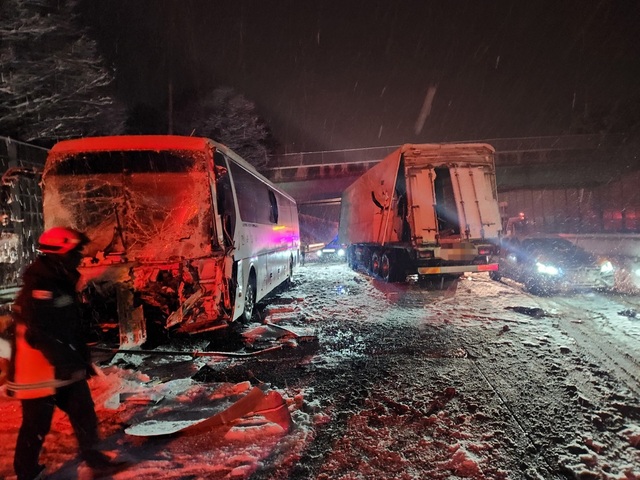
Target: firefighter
point(50, 361)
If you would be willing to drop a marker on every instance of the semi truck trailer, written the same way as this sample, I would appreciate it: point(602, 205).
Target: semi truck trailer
point(424, 211)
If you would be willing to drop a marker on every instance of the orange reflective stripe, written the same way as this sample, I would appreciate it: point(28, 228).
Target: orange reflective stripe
point(32, 371)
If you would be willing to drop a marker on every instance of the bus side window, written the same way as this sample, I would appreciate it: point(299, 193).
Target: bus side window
point(226, 205)
point(273, 212)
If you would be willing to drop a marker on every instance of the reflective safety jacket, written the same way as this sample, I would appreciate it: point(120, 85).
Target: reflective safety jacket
point(48, 347)
point(33, 376)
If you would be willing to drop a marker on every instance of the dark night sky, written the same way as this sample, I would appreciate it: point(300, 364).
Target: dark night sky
point(355, 73)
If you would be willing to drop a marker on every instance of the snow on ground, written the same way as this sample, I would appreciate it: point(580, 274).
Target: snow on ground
point(478, 380)
point(123, 395)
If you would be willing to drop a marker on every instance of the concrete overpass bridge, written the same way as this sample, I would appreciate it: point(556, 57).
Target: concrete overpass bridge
point(320, 177)
point(530, 171)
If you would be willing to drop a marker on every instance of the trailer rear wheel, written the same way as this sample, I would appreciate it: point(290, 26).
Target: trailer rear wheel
point(365, 259)
point(386, 268)
point(375, 264)
point(351, 258)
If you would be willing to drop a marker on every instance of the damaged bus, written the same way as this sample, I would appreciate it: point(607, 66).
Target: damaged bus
point(186, 236)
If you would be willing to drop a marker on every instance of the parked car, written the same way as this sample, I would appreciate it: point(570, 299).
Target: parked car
point(332, 251)
point(552, 264)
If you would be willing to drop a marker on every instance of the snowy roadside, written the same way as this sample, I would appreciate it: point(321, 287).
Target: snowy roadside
point(124, 397)
point(480, 381)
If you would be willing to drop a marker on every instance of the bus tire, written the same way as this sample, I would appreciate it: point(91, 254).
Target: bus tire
point(289, 281)
point(249, 299)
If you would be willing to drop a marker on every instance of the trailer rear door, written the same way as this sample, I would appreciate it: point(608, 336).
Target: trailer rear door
point(421, 202)
point(477, 209)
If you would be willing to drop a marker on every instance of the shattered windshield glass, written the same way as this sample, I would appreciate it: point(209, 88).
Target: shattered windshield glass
point(144, 204)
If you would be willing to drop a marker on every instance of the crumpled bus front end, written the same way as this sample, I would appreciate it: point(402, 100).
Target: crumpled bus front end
point(135, 302)
point(152, 265)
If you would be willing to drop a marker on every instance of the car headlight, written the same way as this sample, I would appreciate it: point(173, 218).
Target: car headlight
point(606, 267)
point(341, 252)
point(547, 269)
point(319, 253)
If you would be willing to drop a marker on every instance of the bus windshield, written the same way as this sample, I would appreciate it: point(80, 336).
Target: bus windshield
point(142, 204)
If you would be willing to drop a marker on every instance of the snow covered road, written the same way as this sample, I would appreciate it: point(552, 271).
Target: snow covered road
point(479, 380)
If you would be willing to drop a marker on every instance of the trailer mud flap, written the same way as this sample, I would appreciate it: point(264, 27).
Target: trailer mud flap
point(131, 323)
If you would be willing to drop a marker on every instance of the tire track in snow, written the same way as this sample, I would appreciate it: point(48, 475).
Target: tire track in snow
point(606, 352)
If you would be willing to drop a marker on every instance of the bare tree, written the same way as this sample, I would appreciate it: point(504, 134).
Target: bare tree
point(53, 83)
point(229, 118)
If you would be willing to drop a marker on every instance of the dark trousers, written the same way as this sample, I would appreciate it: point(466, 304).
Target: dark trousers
point(75, 400)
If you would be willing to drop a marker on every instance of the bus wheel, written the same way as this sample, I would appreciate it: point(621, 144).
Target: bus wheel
point(290, 277)
point(249, 299)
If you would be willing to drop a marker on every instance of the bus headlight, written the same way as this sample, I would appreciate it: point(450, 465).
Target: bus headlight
point(341, 252)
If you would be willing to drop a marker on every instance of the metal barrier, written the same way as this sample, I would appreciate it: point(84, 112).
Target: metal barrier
point(20, 209)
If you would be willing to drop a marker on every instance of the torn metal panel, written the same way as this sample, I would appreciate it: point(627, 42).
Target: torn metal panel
point(186, 296)
point(132, 328)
